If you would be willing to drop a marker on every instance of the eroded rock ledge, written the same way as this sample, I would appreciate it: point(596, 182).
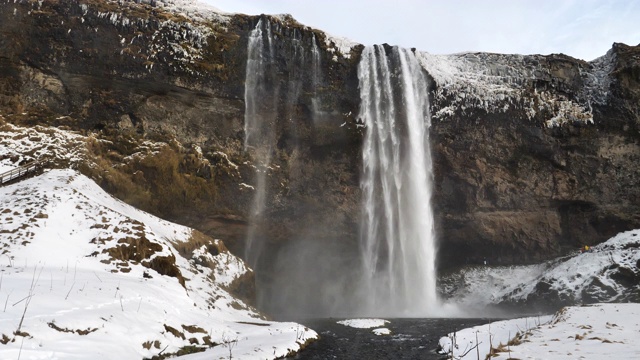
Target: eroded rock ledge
point(534, 155)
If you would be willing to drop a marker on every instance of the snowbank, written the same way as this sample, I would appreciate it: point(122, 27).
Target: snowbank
point(84, 275)
point(467, 343)
point(602, 331)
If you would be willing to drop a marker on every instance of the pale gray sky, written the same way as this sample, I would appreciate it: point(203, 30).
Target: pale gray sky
point(584, 29)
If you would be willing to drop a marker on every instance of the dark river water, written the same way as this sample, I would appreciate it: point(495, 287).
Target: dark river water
point(409, 339)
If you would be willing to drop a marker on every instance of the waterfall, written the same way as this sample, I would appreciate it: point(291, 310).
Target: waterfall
point(396, 276)
point(397, 229)
point(316, 71)
point(258, 82)
point(276, 78)
point(296, 72)
point(261, 93)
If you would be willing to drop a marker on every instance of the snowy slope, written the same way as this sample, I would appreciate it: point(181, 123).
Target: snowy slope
point(610, 272)
point(602, 331)
point(479, 286)
point(81, 277)
point(468, 343)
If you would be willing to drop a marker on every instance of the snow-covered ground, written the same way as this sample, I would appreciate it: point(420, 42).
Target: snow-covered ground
point(601, 331)
point(81, 277)
point(468, 343)
point(608, 272)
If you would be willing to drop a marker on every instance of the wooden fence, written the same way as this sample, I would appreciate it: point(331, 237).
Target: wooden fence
point(20, 172)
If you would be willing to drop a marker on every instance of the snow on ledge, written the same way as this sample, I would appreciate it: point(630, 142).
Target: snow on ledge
point(194, 9)
point(500, 82)
point(339, 46)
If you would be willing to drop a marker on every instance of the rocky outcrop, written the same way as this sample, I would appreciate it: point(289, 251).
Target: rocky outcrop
point(607, 272)
point(534, 155)
point(537, 157)
point(135, 71)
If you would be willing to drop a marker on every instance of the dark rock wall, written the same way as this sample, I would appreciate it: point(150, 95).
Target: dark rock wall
point(508, 186)
point(132, 72)
point(514, 189)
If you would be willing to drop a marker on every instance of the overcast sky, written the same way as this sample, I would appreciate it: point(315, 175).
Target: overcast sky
point(581, 28)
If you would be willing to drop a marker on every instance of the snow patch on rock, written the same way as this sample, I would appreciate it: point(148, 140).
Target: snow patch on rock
point(21, 145)
point(339, 46)
point(381, 331)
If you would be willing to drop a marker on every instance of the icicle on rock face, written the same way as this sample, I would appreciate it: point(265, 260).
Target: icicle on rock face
point(397, 235)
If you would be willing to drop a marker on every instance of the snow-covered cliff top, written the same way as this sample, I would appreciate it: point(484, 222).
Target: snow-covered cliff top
point(194, 9)
point(499, 82)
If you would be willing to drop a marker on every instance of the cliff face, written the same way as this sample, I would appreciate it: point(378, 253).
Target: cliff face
point(533, 154)
point(541, 159)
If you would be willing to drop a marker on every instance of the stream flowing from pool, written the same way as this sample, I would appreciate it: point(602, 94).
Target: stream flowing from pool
point(409, 339)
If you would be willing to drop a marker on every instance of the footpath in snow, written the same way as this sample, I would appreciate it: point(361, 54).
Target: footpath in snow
point(600, 331)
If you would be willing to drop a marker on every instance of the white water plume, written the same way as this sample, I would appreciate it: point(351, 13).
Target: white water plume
point(397, 228)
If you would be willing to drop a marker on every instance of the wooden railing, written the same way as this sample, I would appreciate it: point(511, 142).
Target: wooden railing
point(20, 172)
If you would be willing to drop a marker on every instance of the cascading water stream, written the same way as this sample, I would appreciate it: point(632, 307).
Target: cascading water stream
point(296, 72)
point(397, 276)
point(397, 229)
point(268, 98)
point(315, 80)
point(259, 123)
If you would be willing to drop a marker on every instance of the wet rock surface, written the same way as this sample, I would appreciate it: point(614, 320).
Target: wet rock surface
point(534, 155)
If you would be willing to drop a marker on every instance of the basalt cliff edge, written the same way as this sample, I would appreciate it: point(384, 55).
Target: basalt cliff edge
point(534, 155)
